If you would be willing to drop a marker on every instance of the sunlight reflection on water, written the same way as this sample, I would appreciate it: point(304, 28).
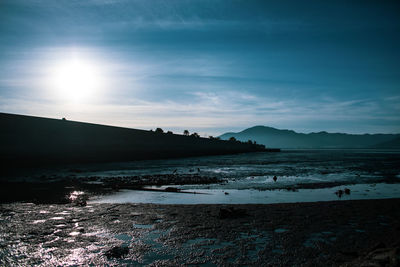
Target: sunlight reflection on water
point(218, 196)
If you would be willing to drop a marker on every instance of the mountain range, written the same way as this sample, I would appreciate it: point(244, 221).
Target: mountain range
point(276, 138)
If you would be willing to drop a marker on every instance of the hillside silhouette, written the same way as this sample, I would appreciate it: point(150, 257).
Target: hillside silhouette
point(272, 137)
point(33, 140)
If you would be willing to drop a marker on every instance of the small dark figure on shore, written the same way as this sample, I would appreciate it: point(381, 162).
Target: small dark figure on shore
point(339, 193)
point(347, 191)
point(198, 169)
point(275, 178)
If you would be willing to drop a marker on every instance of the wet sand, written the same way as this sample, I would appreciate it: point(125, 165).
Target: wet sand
point(337, 233)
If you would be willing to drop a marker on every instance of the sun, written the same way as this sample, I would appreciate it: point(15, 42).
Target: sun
point(75, 80)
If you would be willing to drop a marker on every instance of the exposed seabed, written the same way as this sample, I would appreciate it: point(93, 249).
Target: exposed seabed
point(335, 233)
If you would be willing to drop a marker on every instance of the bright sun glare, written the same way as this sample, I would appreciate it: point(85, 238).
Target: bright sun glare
point(75, 80)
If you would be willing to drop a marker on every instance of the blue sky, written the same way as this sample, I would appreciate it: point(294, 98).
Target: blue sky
point(208, 66)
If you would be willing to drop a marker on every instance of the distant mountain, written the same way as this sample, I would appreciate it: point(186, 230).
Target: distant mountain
point(392, 144)
point(272, 137)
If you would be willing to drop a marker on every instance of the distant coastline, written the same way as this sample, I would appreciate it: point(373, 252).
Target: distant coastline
point(288, 139)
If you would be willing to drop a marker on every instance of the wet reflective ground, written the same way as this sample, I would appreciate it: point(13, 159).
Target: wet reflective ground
point(302, 168)
point(78, 231)
point(348, 233)
point(239, 176)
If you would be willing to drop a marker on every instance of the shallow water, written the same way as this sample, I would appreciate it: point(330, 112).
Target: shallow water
point(251, 196)
point(247, 178)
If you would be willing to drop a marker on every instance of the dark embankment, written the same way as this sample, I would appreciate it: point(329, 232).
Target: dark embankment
point(33, 140)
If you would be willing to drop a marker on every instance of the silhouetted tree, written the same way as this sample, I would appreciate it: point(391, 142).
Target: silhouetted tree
point(250, 142)
point(195, 135)
point(211, 137)
point(232, 139)
point(169, 132)
point(159, 130)
point(186, 132)
point(217, 138)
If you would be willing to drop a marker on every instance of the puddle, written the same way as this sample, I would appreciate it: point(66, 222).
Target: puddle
point(123, 237)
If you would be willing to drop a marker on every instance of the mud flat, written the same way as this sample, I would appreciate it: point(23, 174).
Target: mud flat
point(337, 233)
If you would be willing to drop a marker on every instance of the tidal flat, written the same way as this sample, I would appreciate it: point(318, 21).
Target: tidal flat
point(207, 211)
point(336, 233)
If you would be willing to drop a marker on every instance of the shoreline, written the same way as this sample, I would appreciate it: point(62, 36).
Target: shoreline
point(334, 233)
point(57, 189)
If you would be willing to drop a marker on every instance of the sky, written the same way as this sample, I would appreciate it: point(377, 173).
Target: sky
point(206, 66)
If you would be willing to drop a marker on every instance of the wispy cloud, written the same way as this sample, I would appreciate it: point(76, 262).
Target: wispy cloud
point(211, 112)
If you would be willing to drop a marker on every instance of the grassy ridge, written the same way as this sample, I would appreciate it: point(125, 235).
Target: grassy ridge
point(27, 139)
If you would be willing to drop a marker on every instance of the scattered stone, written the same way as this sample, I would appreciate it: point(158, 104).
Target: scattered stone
point(381, 257)
point(339, 193)
point(78, 198)
point(117, 252)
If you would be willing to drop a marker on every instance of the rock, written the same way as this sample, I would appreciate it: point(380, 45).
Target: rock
point(347, 191)
point(339, 193)
point(231, 213)
point(275, 178)
point(226, 193)
point(378, 246)
point(117, 252)
point(78, 198)
point(385, 257)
